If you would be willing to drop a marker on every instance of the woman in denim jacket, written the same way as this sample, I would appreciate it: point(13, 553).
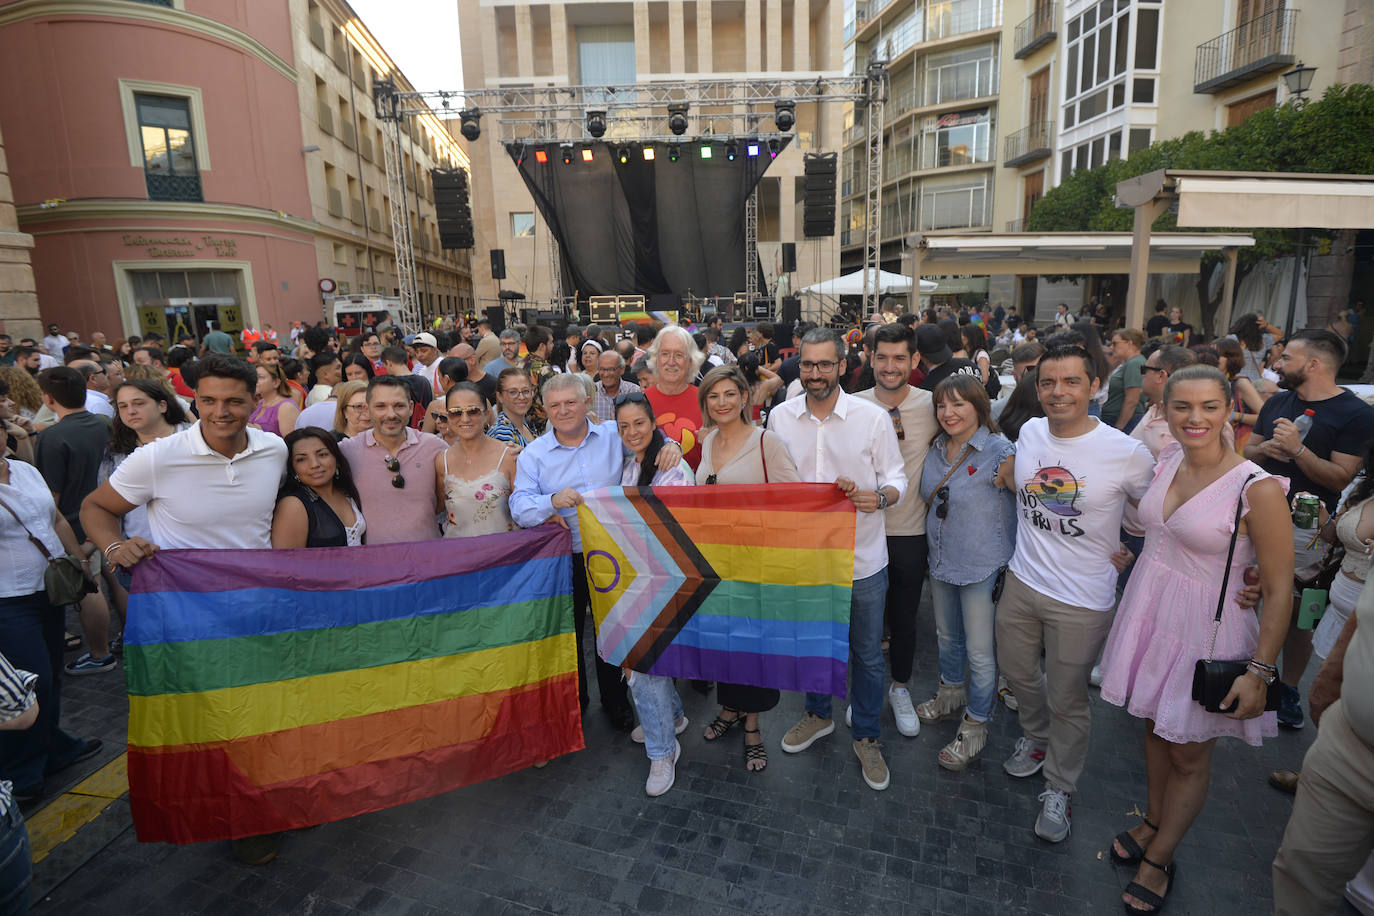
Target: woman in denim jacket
point(970, 532)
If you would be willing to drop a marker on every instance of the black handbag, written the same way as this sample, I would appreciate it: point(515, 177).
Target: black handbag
point(1212, 680)
point(65, 580)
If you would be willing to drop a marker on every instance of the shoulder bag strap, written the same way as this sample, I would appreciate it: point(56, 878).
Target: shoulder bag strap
point(1226, 572)
point(950, 473)
point(763, 455)
point(42, 548)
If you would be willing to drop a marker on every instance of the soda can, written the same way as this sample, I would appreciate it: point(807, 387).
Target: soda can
point(1306, 511)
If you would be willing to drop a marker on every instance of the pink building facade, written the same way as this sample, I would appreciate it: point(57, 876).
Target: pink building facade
point(156, 157)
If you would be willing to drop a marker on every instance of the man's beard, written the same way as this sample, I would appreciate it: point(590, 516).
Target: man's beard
point(1290, 381)
point(830, 387)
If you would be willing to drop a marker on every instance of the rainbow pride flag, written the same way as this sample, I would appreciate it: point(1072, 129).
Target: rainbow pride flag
point(275, 689)
point(742, 584)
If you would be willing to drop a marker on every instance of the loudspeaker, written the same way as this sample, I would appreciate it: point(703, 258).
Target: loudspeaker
point(818, 201)
point(498, 263)
point(789, 257)
point(762, 309)
point(791, 309)
point(497, 316)
point(452, 208)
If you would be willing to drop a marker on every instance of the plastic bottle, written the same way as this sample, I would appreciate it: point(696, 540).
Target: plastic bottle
point(1304, 423)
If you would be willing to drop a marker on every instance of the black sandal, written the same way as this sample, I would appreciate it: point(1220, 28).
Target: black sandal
point(720, 726)
point(1140, 892)
point(72, 641)
point(753, 752)
point(1134, 851)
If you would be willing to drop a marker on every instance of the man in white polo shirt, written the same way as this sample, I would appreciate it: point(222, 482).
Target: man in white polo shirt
point(211, 486)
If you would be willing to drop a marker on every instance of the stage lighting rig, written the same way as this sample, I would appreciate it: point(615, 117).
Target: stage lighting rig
point(674, 151)
point(774, 147)
point(596, 123)
point(731, 150)
point(567, 150)
point(470, 123)
point(785, 114)
point(677, 117)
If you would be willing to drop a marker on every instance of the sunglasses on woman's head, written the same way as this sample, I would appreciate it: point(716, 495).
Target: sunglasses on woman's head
point(394, 466)
point(631, 397)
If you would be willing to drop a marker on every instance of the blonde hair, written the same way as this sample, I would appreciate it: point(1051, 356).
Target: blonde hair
point(342, 393)
point(23, 389)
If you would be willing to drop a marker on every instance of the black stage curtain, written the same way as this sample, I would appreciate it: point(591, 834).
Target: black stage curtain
point(647, 227)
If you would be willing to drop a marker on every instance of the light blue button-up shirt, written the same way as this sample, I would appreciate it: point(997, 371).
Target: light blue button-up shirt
point(546, 466)
point(978, 533)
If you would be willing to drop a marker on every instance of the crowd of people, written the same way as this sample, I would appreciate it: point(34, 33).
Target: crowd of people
point(1086, 507)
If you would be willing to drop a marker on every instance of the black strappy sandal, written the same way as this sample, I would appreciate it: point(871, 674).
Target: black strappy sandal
point(753, 752)
point(1134, 851)
point(1140, 892)
point(720, 725)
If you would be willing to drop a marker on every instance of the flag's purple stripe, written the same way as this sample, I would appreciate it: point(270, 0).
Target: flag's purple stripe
point(345, 568)
point(783, 672)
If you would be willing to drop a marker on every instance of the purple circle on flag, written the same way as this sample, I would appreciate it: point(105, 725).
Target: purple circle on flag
point(614, 565)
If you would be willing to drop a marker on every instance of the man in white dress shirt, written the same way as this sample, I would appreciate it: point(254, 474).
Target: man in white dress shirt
point(834, 437)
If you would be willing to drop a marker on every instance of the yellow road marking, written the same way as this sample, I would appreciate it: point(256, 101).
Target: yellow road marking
point(61, 818)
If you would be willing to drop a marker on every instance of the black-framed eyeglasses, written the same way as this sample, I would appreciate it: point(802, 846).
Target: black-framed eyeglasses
point(439, 417)
point(1158, 369)
point(824, 366)
point(631, 397)
point(394, 466)
point(896, 415)
point(942, 510)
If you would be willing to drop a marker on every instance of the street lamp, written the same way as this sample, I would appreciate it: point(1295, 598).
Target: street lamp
point(1299, 80)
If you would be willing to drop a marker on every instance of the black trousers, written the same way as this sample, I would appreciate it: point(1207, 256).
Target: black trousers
point(614, 695)
point(906, 576)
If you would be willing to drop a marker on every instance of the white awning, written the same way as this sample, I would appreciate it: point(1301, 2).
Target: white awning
point(1256, 202)
point(1054, 253)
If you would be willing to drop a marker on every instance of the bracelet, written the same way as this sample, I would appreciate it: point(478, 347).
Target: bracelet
point(1260, 664)
point(112, 548)
point(1299, 451)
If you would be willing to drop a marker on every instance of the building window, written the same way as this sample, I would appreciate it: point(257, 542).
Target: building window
point(958, 138)
point(606, 54)
point(1096, 57)
point(958, 203)
point(169, 150)
point(966, 73)
point(1240, 112)
point(522, 225)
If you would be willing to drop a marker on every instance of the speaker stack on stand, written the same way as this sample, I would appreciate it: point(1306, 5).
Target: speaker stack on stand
point(818, 202)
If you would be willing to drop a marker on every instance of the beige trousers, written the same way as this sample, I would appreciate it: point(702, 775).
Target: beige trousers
point(1053, 697)
point(1331, 831)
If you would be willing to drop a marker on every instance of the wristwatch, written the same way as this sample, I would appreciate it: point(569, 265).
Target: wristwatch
point(882, 498)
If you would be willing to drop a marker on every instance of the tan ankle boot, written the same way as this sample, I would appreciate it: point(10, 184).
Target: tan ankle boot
point(948, 703)
point(966, 746)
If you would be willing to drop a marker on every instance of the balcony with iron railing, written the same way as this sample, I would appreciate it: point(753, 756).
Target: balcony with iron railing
point(1031, 143)
point(1035, 31)
point(1253, 48)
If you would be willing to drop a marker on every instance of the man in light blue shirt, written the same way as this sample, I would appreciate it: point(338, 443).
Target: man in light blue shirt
point(510, 353)
point(574, 457)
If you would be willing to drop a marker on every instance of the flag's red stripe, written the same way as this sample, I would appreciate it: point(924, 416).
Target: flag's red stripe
point(282, 756)
point(774, 497)
point(197, 795)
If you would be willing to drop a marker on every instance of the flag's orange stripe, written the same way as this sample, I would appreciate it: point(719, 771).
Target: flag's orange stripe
point(800, 531)
point(282, 756)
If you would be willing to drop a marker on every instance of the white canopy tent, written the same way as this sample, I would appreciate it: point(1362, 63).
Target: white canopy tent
point(888, 284)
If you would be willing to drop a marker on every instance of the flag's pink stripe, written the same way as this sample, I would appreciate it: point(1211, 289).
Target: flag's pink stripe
point(782, 672)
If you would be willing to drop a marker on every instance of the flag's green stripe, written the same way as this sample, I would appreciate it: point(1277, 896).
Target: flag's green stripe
point(212, 664)
point(732, 598)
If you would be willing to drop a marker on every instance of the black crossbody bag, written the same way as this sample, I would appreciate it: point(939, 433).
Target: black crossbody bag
point(1212, 679)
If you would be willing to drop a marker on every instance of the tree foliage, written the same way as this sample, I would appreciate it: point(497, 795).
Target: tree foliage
point(1334, 134)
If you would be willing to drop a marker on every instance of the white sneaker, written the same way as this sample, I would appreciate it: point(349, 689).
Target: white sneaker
point(904, 711)
point(662, 773)
point(1095, 678)
point(680, 726)
point(849, 716)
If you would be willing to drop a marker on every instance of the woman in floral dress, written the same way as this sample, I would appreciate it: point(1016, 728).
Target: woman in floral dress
point(474, 474)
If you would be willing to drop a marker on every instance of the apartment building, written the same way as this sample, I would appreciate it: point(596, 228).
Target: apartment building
point(1088, 81)
point(185, 162)
point(509, 44)
point(940, 131)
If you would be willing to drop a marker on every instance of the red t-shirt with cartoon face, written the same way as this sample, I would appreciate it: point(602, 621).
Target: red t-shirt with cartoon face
point(679, 416)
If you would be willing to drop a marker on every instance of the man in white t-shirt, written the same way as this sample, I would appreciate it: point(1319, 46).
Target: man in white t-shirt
point(1072, 475)
point(212, 486)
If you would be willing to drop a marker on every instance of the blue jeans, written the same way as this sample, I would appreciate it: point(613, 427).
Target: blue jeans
point(16, 868)
point(965, 626)
point(659, 707)
point(867, 671)
point(31, 638)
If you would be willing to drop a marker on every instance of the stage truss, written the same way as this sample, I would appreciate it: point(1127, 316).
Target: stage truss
point(716, 109)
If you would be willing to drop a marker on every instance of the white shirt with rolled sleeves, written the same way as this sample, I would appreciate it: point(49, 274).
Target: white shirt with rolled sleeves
point(198, 498)
point(856, 441)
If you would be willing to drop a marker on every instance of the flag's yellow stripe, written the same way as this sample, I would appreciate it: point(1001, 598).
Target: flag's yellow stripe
point(780, 565)
point(237, 712)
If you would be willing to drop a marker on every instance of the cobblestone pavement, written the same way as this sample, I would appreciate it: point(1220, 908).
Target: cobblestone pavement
point(805, 836)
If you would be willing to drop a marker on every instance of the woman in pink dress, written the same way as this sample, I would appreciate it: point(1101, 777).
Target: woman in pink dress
point(1165, 620)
